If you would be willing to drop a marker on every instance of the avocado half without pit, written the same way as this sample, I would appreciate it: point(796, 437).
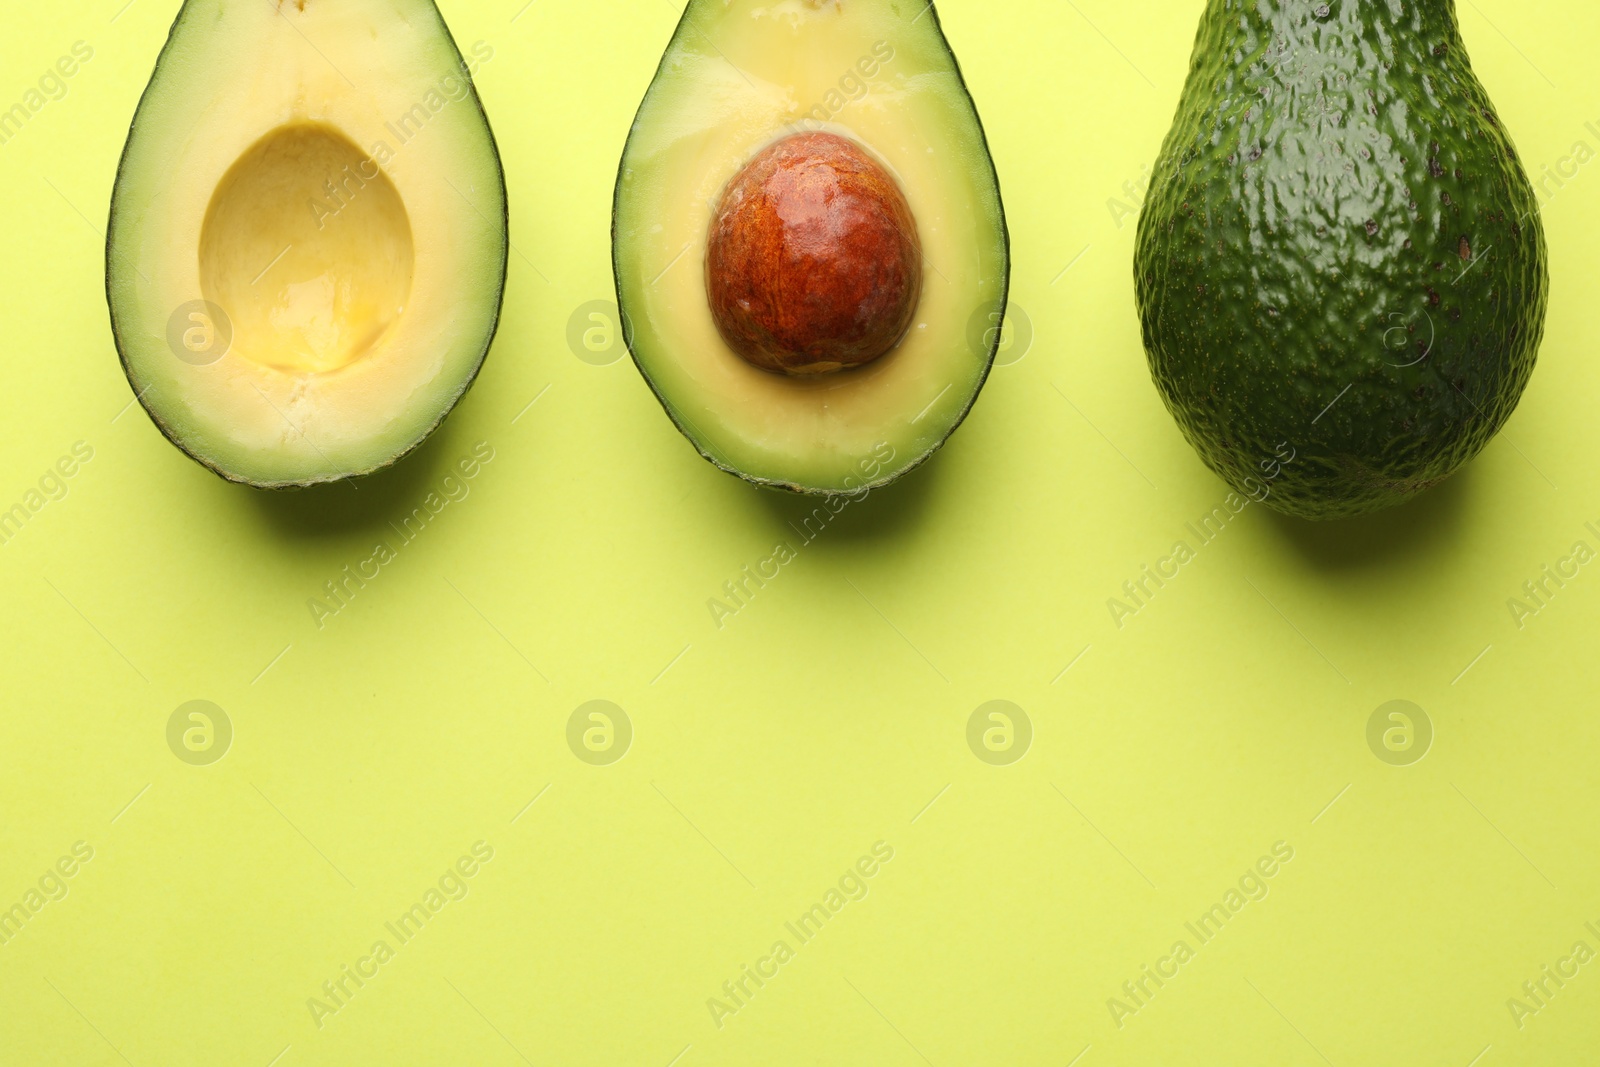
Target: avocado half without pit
point(807, 223)
point(307, 245)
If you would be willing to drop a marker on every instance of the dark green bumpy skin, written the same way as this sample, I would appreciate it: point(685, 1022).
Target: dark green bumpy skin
point(1340, 259)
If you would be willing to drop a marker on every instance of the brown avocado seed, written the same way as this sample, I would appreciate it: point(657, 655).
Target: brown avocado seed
point(813, 263)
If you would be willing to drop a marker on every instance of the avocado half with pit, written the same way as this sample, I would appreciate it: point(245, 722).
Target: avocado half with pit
point(809, 243)
point(307, 245)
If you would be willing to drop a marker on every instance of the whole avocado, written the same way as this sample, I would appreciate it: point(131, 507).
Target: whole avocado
point(1340, 267)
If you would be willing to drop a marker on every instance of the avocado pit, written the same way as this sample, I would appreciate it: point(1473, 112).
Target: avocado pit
point(813, 263)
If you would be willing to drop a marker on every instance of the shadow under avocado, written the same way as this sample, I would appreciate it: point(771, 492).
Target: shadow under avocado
point(1383, 539)
point(361, 506)
point(882, 514)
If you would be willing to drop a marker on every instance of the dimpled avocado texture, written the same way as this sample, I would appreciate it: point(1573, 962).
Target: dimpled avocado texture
point(1340, 268)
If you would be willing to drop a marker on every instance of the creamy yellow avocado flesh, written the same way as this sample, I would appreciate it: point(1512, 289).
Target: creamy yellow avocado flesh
point(307, 243)
point(738, 76)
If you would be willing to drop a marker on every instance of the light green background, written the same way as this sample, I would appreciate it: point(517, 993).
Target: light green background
point(830, 713)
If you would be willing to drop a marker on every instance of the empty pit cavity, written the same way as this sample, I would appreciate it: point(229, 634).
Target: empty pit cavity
point(306, 246)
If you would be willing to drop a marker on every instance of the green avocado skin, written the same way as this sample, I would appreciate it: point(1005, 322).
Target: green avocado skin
point(1340, 268)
